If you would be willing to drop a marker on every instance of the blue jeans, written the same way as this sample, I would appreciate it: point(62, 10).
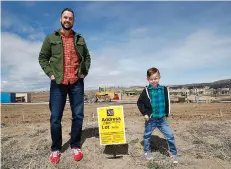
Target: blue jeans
point(165, 129)
point(58, 95)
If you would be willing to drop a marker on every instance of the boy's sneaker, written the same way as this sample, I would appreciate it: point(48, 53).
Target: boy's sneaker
point(174, 159)
point(55, 157)
point(148, 156)
point(77, 154)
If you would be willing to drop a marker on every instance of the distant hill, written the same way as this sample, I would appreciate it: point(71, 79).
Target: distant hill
point(215, 85)
point(222, 83)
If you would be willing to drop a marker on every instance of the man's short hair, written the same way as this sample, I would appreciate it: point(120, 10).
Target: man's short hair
point(68, 9)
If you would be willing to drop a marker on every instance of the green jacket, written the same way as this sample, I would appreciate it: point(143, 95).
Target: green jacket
point(51, 56)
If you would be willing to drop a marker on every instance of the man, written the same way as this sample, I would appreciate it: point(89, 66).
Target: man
point(65, 59)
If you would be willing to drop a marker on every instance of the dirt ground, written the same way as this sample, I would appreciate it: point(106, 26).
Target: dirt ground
point(202, 133)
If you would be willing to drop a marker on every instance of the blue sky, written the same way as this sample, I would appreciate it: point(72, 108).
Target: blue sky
point(188, 41)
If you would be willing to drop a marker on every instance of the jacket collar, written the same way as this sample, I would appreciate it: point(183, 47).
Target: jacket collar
point(152, 88)
point(58, 33)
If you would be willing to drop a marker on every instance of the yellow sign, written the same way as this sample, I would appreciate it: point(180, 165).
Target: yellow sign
point(111, 125)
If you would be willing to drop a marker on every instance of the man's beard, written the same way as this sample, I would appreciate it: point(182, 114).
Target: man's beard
point(66, 28)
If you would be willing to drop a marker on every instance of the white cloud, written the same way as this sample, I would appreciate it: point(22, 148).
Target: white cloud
point(22, 26)
point(20, 61)
point(201, 49)
point(30, 3)
point(36, 36)
point(199, 57)
point(101, 10)
point(121, 59)
point(12, 22)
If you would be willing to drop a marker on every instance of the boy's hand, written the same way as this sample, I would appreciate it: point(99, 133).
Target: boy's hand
point(52, 77)
point(146, 117)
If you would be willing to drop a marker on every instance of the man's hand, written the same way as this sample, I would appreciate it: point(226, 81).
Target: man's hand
point(146, 117)
point(52, 77)
point(81, 76)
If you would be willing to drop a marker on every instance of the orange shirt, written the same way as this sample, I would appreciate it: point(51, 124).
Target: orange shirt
point(70, 60)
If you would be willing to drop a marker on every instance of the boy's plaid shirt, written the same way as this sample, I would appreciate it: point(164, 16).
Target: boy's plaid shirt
point(157, 98)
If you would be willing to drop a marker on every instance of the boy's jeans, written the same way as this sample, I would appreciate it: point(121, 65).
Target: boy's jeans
point(165, 129)
point(58, 95)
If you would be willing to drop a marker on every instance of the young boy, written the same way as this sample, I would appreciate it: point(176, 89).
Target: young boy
point(154, 104)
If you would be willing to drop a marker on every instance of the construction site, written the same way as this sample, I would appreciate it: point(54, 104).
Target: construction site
point(177, 95)
point(109, 94)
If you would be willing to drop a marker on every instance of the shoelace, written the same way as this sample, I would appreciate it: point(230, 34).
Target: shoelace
point(76, 151)
point(55, 154)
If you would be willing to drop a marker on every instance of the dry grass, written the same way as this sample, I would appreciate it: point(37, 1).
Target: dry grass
point(211, 140)
point(202, 138)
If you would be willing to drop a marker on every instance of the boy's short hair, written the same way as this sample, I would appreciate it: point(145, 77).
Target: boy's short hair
point(152, 71)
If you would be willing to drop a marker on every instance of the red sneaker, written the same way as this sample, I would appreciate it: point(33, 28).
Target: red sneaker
point(55, 157)
point(77, 154)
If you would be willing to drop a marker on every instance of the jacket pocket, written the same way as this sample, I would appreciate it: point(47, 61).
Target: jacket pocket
point(56, 47)
point(82, 69)
point(80, 48)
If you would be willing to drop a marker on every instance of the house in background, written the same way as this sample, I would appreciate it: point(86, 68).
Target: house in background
point(7, 97)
